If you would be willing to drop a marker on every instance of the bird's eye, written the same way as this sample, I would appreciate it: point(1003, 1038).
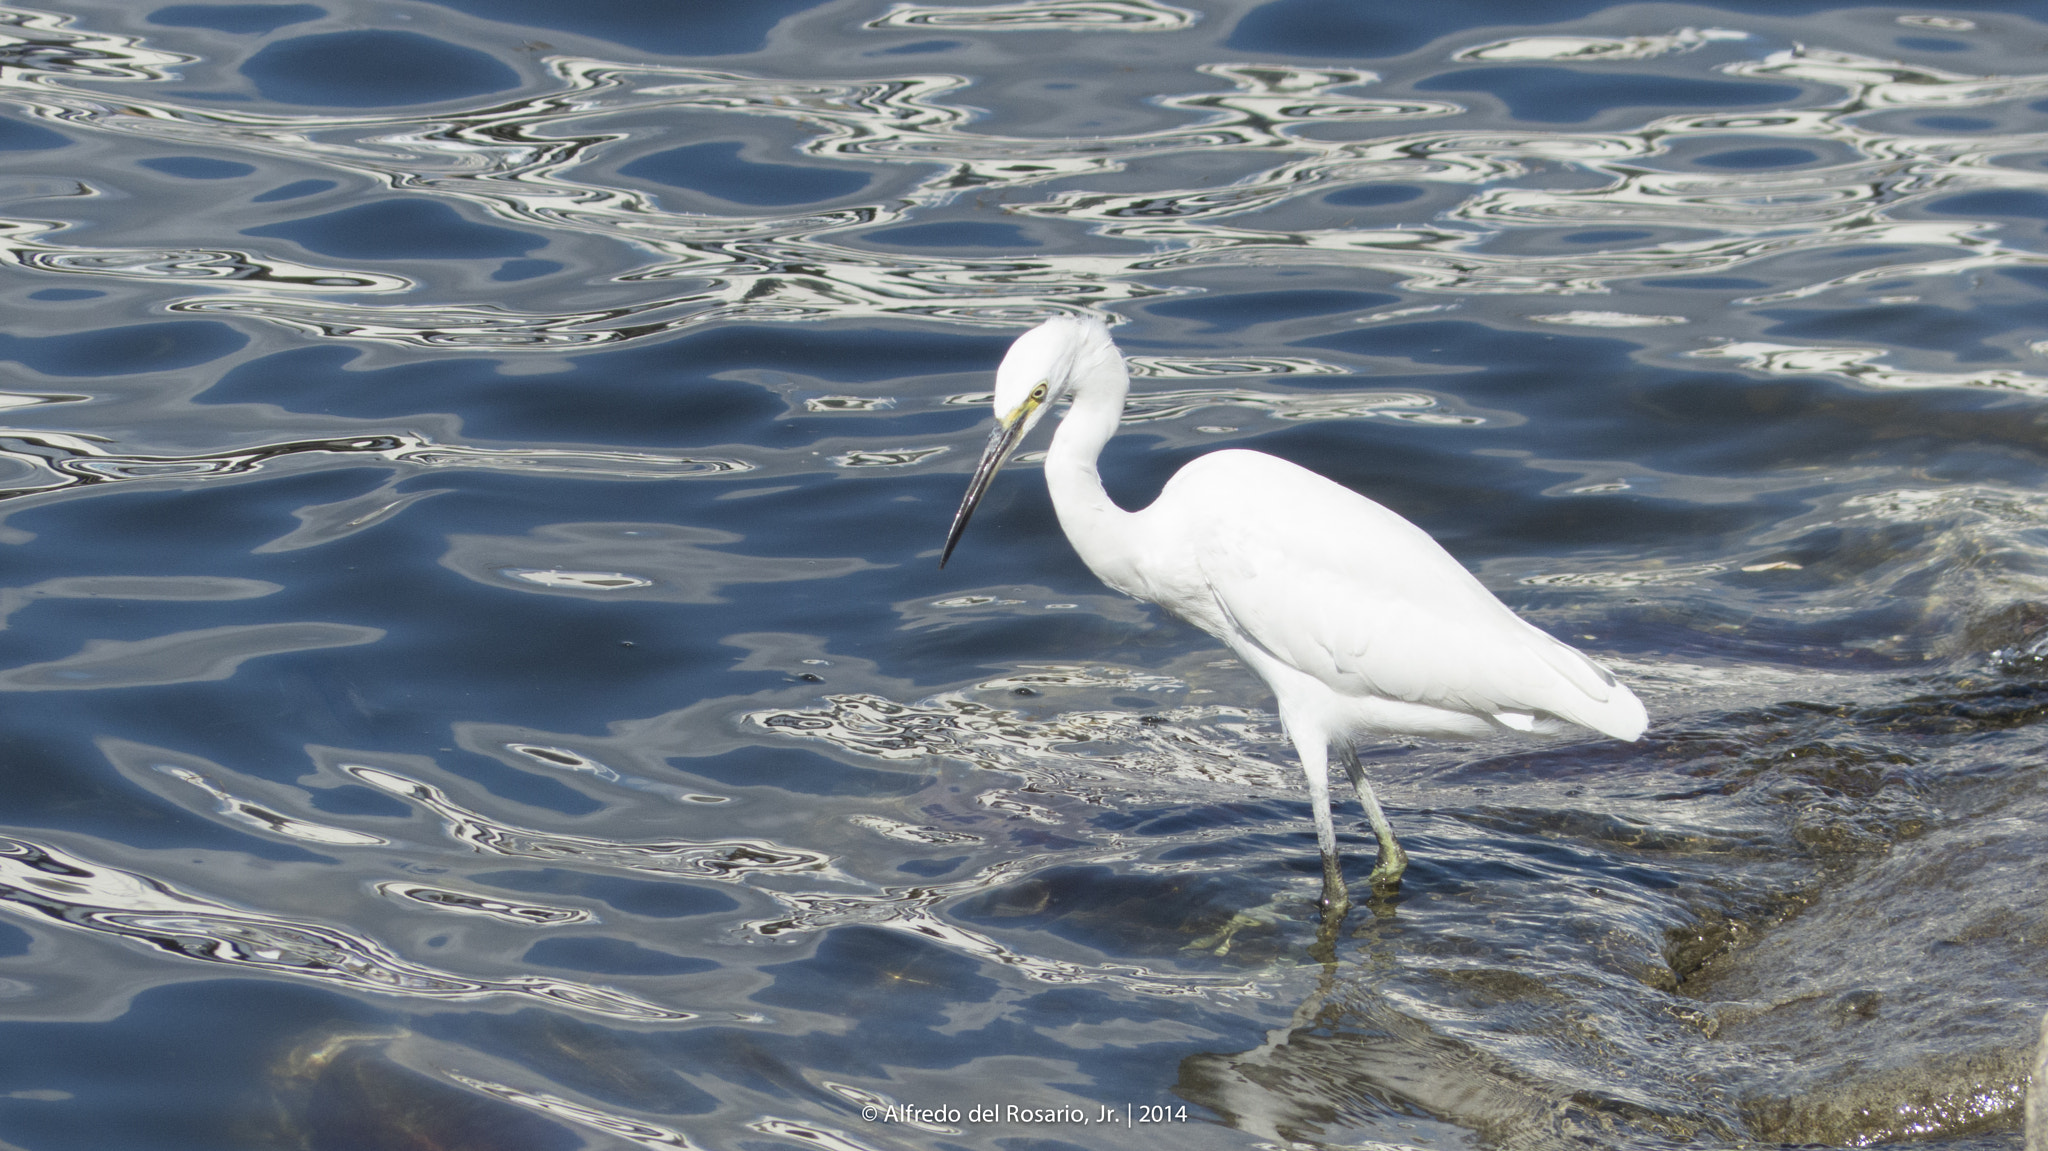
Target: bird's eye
point(1038, 393)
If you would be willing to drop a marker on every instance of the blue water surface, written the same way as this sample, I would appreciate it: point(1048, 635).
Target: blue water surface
point(472, 490)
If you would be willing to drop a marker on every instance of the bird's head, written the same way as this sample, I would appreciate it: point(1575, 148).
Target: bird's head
point(1038, 369)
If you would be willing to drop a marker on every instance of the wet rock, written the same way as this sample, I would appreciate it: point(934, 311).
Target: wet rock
point(2037, 1105)
point(1691, 948)
point(345, 1093)
point(1796, 924)
point(2016, 636)
point(1906, 1000)
point(1352, 1069)
point(1846, 797)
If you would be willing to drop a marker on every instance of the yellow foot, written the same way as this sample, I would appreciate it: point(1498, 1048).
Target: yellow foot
point(1386, 875)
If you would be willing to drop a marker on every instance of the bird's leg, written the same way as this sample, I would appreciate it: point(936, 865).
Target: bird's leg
point(1386, 875)
point(1315, 760)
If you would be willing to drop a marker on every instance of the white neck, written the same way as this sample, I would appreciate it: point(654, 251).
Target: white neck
point(1100, 531)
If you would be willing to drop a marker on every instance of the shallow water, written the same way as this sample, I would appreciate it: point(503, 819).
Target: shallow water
point(474, 472)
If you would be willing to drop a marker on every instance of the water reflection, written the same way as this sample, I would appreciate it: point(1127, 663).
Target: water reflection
point(1041, 15)
point(73, 892)
point(64, 461)
point(704, 814)
point(534, 162)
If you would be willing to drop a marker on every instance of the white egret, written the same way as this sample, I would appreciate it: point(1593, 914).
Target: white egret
point(1359, 622)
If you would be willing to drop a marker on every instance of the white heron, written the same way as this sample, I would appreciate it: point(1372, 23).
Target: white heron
point(1359, 622)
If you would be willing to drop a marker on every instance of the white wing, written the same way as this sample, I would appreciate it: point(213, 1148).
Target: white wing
point(1344, 590)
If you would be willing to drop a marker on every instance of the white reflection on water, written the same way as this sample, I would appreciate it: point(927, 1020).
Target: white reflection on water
point(812, 891)
point(1042, 15)
point(636, 1131)
point(48, 463)
point(522, 161)
point(1597, 47)
point(250, 814)
point(65, 889)
point(56, 461)
point(43, 881)
point(1858, 365)
point(1595, 319)
point(727, 860)
point(470, 903)
point(180, 657)
point(79, 893)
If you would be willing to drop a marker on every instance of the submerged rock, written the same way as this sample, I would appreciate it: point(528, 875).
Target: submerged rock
point(2037, 1104)
point(1800, 923)
point(345, 1092)
point(1905, 1001)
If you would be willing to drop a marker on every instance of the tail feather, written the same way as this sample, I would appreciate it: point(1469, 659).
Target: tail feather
point(1620, 715)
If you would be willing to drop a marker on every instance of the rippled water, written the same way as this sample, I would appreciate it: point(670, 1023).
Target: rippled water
point(473, 478)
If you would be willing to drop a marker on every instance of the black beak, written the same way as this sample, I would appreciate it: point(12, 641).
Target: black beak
point(1001, 443)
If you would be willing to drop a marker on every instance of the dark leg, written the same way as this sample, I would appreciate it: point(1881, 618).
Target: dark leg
point(1386, 875)
point(1315, 761)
